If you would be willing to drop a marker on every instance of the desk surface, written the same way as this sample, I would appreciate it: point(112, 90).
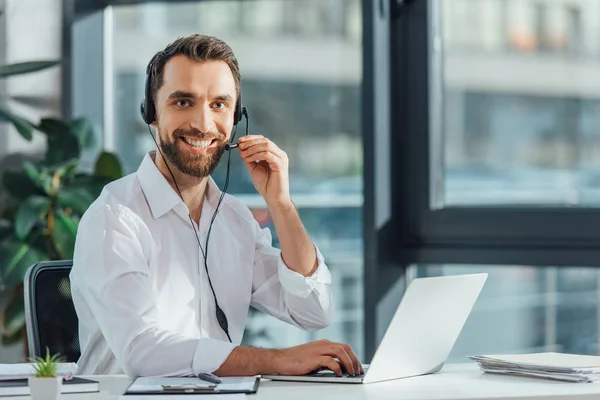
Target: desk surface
point(458, 381)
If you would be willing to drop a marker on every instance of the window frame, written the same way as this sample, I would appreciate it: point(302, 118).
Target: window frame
point(530, 235)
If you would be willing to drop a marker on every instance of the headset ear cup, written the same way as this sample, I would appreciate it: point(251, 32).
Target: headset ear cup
point(147, 107)
point(150, 113)
point(143, 110)
point(237, 114)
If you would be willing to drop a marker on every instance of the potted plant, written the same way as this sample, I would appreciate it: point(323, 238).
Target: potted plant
point(45, 385)
point(42, 200)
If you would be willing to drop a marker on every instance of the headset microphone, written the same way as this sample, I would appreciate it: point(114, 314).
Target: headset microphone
point(230, 146)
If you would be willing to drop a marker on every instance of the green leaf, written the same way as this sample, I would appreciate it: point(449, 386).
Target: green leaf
point(39, 178)
point(53, 126)
point(77, 199)
point(14, 315)
point(46, 367)
point(18, 185)
point(62, 148)
point(33, 173)
point(39, 242)
point(83, 130)
point(108, 166)
point(66, 169)
point(25, 67)
point(30, 212)
point(24, 127)
point(62, 145)
point(63, 233)
point(15, 257)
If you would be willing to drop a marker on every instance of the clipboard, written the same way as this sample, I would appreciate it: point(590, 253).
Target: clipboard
point(192, 385)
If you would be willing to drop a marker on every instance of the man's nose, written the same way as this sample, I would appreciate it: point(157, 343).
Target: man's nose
point(203, 119)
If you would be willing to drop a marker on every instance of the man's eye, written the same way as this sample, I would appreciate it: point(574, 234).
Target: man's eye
point(183, 103)
point(219, 105)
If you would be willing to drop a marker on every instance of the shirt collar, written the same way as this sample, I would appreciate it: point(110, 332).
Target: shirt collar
point(161, 197)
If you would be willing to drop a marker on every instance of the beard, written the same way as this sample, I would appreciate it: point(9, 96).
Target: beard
point(195, 165)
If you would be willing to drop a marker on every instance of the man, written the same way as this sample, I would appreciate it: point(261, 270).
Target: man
point(143, 278)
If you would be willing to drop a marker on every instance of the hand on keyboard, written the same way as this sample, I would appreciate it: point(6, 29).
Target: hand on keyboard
point(326, 372)
point(323, 354)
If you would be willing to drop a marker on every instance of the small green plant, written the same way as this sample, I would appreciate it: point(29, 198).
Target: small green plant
point(46, 367)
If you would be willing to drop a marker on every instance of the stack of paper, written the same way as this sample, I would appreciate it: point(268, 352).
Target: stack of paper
point(23, 370)
point(559, 366)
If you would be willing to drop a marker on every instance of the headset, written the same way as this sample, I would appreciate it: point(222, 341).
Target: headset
point(148, 111)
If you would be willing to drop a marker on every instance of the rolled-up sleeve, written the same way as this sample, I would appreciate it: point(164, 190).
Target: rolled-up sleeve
point(287, 295)
point(115, 290)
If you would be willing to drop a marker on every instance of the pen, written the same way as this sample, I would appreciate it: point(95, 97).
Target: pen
point(209, 378)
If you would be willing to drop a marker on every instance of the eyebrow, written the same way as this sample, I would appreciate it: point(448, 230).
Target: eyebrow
point(180, 94)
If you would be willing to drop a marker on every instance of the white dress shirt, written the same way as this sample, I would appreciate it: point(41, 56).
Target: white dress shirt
point(140, 289)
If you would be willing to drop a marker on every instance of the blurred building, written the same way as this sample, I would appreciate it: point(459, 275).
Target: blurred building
point(519, 86)
point(521, 101)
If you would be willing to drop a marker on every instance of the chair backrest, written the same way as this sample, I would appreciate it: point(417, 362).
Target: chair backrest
point(50, 316)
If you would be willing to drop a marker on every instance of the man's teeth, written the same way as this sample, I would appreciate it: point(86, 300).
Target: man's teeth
point(201, 144)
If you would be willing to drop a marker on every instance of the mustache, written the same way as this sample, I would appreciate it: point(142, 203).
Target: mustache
point(195, 132)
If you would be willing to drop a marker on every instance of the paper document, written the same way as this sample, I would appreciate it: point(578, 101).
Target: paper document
point(186, 397)
point(24, 370)
point(148, 385)
point(557, 366)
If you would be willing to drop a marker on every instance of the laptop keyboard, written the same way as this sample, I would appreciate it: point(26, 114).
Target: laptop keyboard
point(330, 374)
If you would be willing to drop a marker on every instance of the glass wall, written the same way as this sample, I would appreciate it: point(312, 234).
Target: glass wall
point(301, 75)
point(515, 122)
point(520, 102)
point(528, 309)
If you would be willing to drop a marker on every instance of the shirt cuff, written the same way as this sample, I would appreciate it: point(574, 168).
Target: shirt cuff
point(300, 285)
point(210, 354)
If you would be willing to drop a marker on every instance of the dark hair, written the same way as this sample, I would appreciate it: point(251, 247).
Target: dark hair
point(196, 47)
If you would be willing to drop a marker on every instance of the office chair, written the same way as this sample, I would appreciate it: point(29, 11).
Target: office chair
point(50, 316)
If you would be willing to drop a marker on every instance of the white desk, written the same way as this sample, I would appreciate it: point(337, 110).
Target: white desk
point(459, 381)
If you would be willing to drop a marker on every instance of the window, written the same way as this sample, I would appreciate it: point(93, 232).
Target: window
point(301, 84)
point(502, 178)
point(519, 127)
point(528, 309)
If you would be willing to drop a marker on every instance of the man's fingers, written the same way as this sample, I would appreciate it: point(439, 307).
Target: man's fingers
point(274, 162)
point(259, 147)
point(248, 141)
point(250, 137)
point(336, 350)
point(329, 363)
point(345, 359)
point(357, 364)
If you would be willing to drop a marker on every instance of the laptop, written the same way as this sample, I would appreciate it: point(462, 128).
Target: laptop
point(421, 334)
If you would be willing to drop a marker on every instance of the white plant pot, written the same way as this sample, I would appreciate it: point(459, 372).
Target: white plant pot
point(45, 388)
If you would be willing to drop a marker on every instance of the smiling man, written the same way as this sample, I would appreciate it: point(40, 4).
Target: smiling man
point(155, 296)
